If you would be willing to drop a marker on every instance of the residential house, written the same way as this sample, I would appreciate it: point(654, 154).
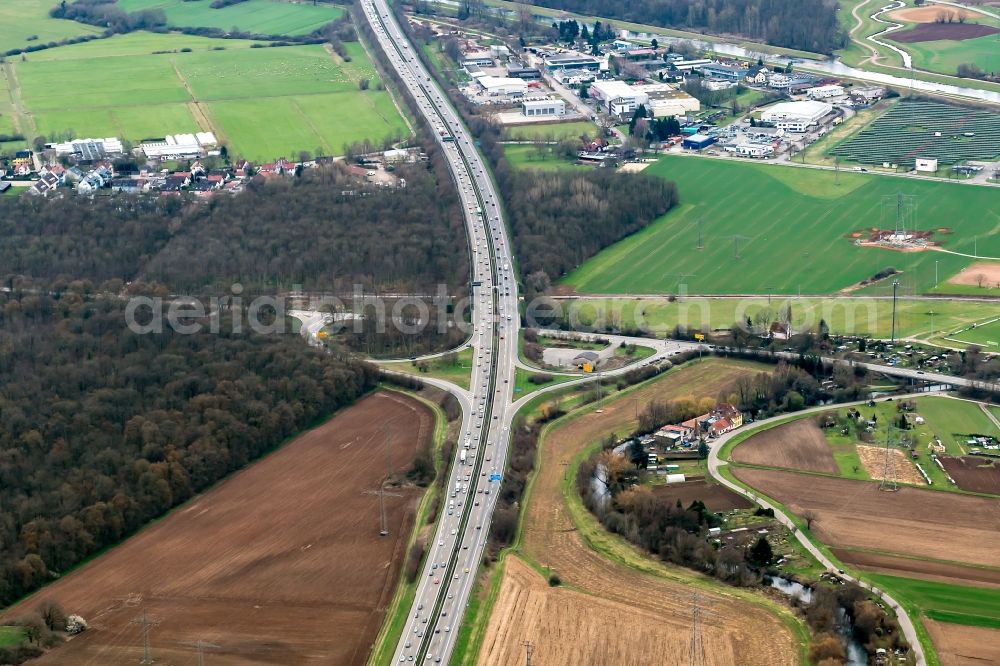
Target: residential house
point(44, 185)
point(779, 331)
point(757, 74)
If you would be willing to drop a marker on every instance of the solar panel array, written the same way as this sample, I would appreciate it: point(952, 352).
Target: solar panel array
point(908, 130)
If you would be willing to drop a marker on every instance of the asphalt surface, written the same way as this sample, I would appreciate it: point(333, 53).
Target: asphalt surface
point(715, 463)
point(455, 551)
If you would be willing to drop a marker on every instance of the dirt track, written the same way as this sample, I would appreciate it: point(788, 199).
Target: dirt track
point(634, 618)
point(796, 445)
point(910, 521)
point(958, 645)
point(280, 564)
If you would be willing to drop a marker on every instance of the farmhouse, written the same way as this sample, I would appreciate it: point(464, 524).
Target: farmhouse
point(796, 116)
point(724, 418)
point(544, 107)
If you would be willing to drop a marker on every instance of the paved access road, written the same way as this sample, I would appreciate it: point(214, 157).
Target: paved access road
point(456, 549)
point(714, 465)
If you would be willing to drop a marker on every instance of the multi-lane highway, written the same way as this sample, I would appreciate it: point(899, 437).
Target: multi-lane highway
point(454, 553)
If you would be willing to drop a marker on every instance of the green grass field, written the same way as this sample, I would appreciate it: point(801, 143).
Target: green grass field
point(457, 369)
point(524, 156)
point(270, 17)
point(846, 316)
point(795, 224)
point(263, 103)
point(551, 132)
point(958, 604)
point(21, 19)
point(987, 336)
point(11, 636)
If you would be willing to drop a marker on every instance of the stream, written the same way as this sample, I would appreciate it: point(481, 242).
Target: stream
point(856, 654)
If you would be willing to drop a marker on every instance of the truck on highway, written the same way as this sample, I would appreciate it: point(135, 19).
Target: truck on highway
point(461, 456)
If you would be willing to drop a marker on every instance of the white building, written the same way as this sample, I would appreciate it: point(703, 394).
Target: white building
point(552, 108)
point(927, 164)
point(752, 149)
point(173, 147)
point(479, 58)
point(824, 92)
point(664, 100)
point(89, 149)
point(688, 65)
point(617, 96)
point(499, 85)
point(796, 116)
point(499, 51)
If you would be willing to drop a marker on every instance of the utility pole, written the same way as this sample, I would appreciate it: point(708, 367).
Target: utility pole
point(769, 291)
point(388, 450)
point(146, 624)
point(200, 645)
point(895, 287)
point(681, 284)
point(529, 650)
point(836, 172)
point(383, 521)
point(936, 274)
point(700, 223)
point(736, 245)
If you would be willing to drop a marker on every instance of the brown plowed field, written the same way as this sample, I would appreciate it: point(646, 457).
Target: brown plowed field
point(717, 498)
point(796, 445)
point(618, 611)
point(958, 645)
point(987, 272)
point(910, 521)
point(979, 475)
point(943, 572)
point(930, 14)
point(873, 460)
point(280, 564)
point(932, 32)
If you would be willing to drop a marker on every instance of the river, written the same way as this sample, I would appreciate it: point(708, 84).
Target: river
point(856, 654)
point(833, 66)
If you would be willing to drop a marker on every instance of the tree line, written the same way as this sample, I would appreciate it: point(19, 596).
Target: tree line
point(103, 429)
point(324, 230)
point(810, 25)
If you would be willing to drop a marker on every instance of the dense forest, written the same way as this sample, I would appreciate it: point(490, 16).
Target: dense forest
point(810, 25)
point(321, 231)
point(560, 219)
point(102, 429)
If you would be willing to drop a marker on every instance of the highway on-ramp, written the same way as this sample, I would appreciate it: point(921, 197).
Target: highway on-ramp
point(456, 549)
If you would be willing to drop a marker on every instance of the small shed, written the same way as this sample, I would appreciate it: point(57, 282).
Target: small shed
point(927, 164)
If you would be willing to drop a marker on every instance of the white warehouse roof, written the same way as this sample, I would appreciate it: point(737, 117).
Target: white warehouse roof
point(500, 82)
point(807, 111)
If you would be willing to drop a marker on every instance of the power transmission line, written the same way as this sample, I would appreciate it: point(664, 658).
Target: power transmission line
point(146, 624)
point(529, 650)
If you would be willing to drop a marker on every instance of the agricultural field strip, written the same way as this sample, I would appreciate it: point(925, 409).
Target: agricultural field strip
point(906, 622)
point(796, 215)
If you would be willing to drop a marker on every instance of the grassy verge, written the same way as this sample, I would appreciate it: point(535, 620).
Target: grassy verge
point(11, 636)
point(455, 368)
point(402, 600)
point(523, 384)
point(958, 604)
point(616, 549)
